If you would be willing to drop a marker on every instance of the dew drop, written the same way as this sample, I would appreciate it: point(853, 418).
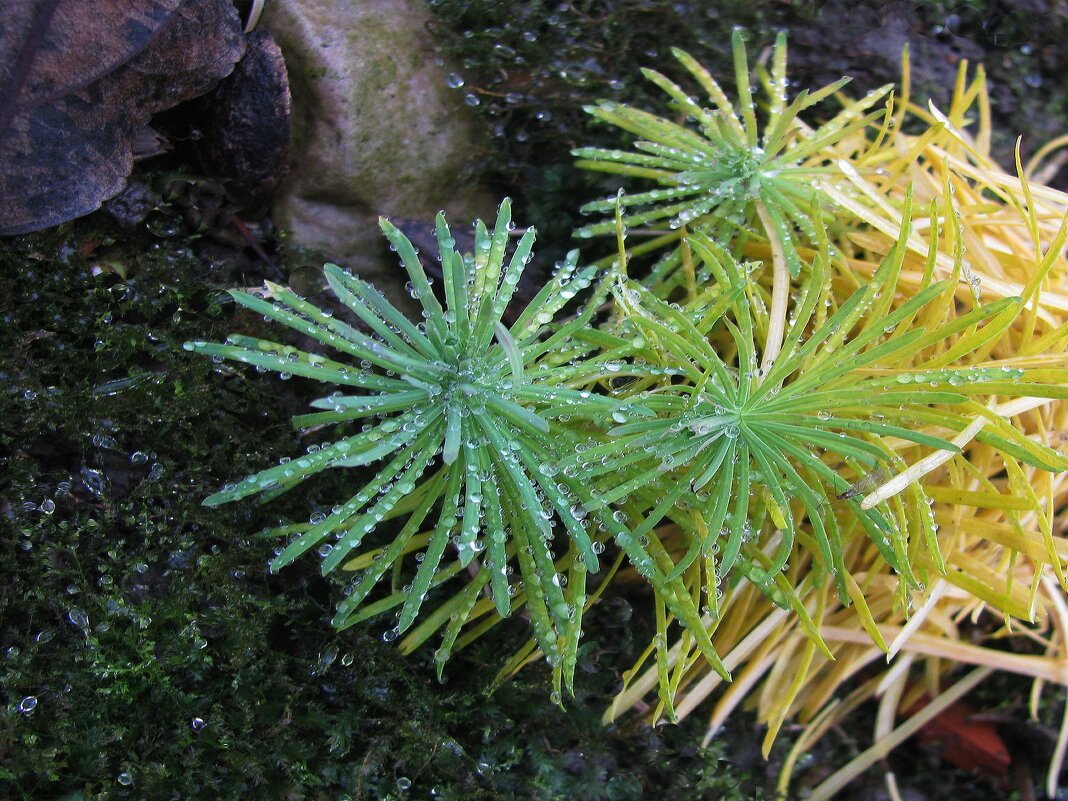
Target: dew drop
point(78, 618)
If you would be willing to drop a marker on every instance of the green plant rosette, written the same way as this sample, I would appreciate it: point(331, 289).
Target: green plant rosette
point(461, 417)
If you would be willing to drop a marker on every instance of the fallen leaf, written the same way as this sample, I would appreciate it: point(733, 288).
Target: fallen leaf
point(966, 741)
point(81, 81)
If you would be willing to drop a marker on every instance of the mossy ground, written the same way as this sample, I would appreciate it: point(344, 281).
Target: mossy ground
point(146, 652)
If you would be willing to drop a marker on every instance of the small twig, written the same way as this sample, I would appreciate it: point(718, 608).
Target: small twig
point(246, 234)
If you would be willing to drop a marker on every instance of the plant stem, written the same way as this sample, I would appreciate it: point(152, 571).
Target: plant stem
point(780, 292)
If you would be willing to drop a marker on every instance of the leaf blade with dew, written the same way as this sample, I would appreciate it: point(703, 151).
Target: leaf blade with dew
point(705, 473)
point(738, 526)
point(474, 502)
point(319, 529)
point(424, 575)
point(299, 314)
point(711, 87)
point(549, 299)
point(463, 604)
point(524, 472)
point(407, 468)
point(371, 404)
point(541, 621)
point(450, 451)
point(511, 350)
point(844, 445)
point(888, 429)
point(813, 499)
point(775, 135)
point(785, 240)
point(837, 361)
point(575, 597)
point(1001, 313)
point(1001, 434)
point(496, 537)
point(305, 466)
point(871, 397)
point(745, 95)
point(379, 314)
point(676, 596)
point(683, 100)
point(320, 368)
point(437, 329)
point(495, 283)
point(387, 557)
point(775, 82)
point(418, 635)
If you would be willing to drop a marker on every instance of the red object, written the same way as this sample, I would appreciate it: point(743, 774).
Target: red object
point(88, 246)
point(966, 740)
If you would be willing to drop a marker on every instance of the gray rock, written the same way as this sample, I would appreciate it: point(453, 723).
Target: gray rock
point(376, 130)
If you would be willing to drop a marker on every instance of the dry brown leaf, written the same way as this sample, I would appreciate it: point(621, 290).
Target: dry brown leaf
point(81, 81)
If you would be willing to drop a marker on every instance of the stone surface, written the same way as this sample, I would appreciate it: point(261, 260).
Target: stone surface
point(376, 130)
point(246, 125)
